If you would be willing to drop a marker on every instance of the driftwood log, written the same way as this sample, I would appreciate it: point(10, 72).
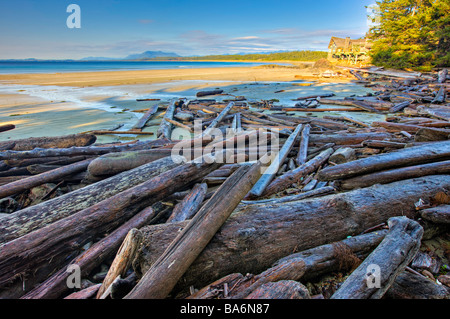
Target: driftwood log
point(163, 275)
point(405, 157)
point(439, 214)
point(31, 218)
point(377, 273)
point(396, 174)
point(190, 205)
point(55, 286)
point(256, 236)
point(408, 285)
point(294, 176)
point(52, 142)
point(114, 163)
point(47, 177)
point(80, 151)
point(50, 245)
point(344, 255)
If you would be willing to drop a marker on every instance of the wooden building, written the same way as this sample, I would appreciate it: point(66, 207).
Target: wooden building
point(348, 49)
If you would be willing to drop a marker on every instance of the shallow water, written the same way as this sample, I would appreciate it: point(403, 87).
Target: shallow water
point(105, 107)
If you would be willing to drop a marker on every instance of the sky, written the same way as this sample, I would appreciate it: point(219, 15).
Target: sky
point(117, 28)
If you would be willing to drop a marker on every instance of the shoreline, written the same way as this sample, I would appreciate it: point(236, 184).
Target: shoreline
point(123, 77)
point(69, 103)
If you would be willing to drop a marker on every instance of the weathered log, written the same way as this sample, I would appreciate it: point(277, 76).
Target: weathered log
point(114, 163)
point(256, 236)
point(439, 214)
point(106, 132)
point(347, 139)
point(306, 265)
point(408, 156)
point(286, 180)
point(383, 144)
point(7, 127)
point(394, 175)
point(55, 286)
point(31, 218)
point(53, 142)
point(283, 289)
point(442, 75)
point(389, 259)
point(365, 105)
point(77, 151)
point(399, 106)
point(183, 126)
point(308, 194)
point(86, 293)
point(217, 120)
point(52, 244)
point(36, 180)
point(123, 259)
point(303, 148)
point(145, 118)
point(412, 286)
point(206, 93)
point(427, 134)
point(343, 155)
point(190, 205)
point(165, 128)
point(271, 171)
point(161, 278)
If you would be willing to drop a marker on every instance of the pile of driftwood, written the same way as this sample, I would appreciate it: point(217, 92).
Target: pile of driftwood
point(337, 208)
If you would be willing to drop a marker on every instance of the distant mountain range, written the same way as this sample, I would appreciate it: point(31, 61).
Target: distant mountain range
point(139, 56)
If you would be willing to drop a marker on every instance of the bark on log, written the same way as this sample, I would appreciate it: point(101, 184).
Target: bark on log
point(206, 93)
point(55, 286)
point(272, 170)
point(31, 218)
point(145, 118)
point(52, 244)
point(306, 265)
point(36, 180)
point(165, 128)
point(256, 236)
point(429, 134)
point(347, 139)
point(389, 259)
point(394, 175)
point(217, 120)
point(77, 151)
point(283, 289)
point(190, 205)
point(294, 176)
point(114, 163)
point(86, 293)
point(343, 155)
point(53, 142)
point(303, 148)
point(408, 156)
point(439, 214)
point(161, 278)
point(123, 259)
point(412, 286)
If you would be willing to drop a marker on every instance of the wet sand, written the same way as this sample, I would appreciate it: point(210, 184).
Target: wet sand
point(68, 103)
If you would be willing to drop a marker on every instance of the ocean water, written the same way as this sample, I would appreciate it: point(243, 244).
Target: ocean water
point(15, 67)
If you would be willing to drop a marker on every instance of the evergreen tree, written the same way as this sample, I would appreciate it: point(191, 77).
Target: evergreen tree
point(411, 34)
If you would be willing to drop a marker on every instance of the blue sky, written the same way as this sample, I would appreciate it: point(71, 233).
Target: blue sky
point(117, 28)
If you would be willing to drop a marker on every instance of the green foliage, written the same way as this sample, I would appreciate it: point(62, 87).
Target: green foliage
point(279, 56)
point(411, 34)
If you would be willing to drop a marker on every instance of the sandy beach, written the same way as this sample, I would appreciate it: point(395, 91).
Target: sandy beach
point(69, 103)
